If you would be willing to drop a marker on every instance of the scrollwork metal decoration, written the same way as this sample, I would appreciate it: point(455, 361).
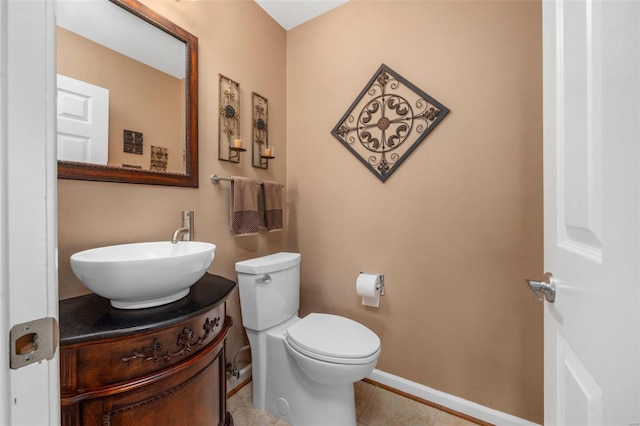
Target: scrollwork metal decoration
point(228, 119)
point(260, 134)
point(387, 122)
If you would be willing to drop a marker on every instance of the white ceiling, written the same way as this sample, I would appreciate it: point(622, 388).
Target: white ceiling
point(291, 13)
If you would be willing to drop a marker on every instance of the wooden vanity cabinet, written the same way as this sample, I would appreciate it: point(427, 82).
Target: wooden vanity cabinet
point(155, 366)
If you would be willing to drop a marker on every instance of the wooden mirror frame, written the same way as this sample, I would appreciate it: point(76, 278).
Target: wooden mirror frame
point(96, 172)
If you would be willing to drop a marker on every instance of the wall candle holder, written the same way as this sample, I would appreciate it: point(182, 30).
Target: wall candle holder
point(387, 122)
point(267, 152)
point(230, 144)
point(260, 132)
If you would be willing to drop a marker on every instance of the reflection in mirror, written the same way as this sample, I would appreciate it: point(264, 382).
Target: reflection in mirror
point(127, 94)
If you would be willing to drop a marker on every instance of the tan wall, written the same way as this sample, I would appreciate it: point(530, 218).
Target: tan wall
point(93, 214)
point(455, 230)
point(141, 98)
point(458, 226)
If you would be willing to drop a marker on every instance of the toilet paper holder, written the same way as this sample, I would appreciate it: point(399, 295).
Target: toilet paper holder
point(380, 285)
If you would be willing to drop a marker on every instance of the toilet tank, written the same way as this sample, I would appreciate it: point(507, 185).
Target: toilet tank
point(269, 289)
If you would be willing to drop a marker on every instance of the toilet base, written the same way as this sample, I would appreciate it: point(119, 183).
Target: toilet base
point(280, 386)
point(316, 407)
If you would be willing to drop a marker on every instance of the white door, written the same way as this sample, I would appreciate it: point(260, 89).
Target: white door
point(83, 121)
point(28, 179)
point(592, 215)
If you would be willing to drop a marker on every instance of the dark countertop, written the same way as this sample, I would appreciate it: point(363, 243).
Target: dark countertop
point(91, 317)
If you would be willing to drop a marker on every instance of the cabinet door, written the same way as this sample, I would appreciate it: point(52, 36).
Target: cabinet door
point(189, 395)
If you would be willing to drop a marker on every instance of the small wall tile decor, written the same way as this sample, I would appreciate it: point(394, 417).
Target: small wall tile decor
point(230, 144)
point(159, 159)
point(387, 122)
point(132, 142)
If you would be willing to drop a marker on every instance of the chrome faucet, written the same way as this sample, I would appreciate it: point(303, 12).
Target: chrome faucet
point(186, 232)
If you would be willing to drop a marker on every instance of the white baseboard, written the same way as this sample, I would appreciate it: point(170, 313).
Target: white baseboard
point(233, 383)
point(452, 402)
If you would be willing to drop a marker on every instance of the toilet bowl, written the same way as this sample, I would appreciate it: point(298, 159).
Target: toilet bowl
point(303, 368)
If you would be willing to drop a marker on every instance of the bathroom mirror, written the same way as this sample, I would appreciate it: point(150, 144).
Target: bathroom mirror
point(137, 73)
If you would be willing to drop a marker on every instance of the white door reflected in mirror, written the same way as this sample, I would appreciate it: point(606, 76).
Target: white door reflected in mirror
point(83, 121)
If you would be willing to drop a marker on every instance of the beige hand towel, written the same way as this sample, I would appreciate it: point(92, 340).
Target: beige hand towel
point(244, 206)
point(273, 203)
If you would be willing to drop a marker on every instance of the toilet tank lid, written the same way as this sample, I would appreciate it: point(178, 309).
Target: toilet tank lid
point(271, 263)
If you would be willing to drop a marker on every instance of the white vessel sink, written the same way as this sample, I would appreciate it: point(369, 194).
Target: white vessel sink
point(143, 275)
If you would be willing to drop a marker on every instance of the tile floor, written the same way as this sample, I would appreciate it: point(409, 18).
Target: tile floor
point(375, 406)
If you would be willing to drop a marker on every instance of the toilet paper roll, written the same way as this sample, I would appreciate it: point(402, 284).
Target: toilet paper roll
point(367, 286)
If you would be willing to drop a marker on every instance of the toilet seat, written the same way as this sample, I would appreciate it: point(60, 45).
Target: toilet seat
point(332, 338)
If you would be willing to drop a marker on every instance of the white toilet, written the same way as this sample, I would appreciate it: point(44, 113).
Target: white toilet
point(303, 368)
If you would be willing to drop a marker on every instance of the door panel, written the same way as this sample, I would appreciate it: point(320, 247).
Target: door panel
point(578, 390)
point(578, 101)
point(592, 217)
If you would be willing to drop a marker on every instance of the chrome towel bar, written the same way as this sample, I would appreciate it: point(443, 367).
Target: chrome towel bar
point(215, 179)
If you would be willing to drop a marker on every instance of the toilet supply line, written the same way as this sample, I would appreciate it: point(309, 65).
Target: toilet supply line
point(232, 368)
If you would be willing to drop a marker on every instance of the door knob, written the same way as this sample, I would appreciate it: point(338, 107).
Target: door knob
point(546, 287)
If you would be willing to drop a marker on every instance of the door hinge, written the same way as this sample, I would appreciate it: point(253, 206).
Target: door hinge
point(33, 341)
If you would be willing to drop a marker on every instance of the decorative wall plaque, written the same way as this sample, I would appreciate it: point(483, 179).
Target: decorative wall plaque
point(260, 130)
point(132, 141)
point(229, 121)
point(387, 122)
point(159, 159)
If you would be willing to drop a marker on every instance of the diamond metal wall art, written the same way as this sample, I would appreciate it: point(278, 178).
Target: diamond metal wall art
point(387, 122)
